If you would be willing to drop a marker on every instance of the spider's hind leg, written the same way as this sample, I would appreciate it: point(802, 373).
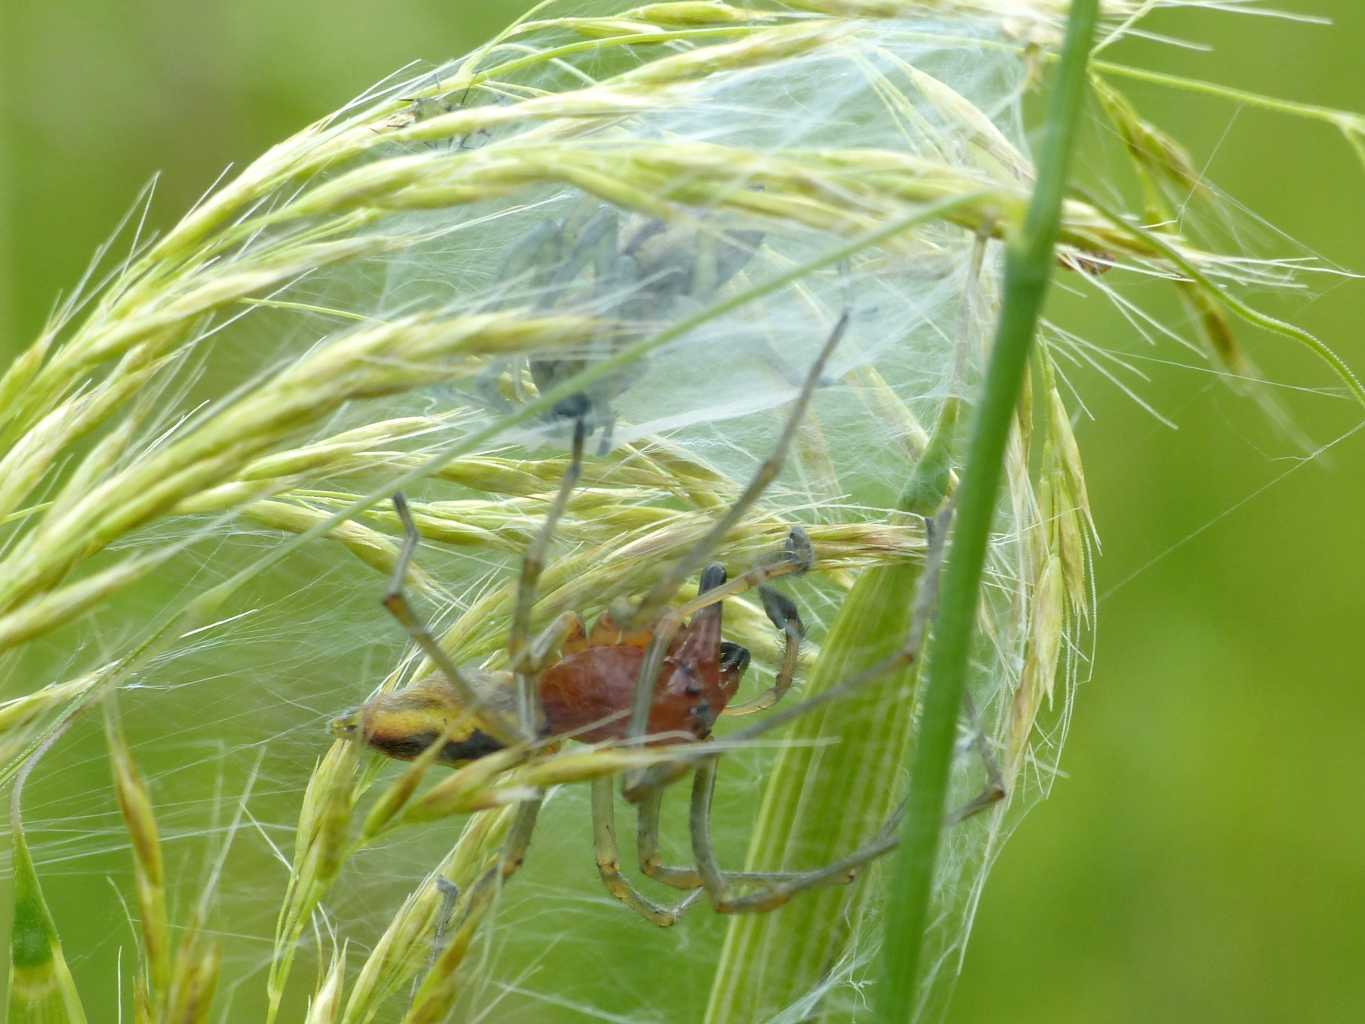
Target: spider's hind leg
point(797, 558)
point(770, 894)
point(436, 990)
point(994, 789)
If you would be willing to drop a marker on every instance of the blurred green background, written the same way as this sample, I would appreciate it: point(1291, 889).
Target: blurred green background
point(1204, 857)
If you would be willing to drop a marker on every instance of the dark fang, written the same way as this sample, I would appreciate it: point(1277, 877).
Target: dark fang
point(733, 658)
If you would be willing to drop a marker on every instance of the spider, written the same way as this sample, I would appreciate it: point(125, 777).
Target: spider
point(647, 674)
point(633, 269)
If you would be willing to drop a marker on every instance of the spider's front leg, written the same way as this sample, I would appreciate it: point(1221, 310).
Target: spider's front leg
point(733, 659)
point(661, 594)
point(782, 614)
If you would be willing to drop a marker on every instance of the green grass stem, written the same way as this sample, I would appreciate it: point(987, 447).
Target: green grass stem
point(1028, 268)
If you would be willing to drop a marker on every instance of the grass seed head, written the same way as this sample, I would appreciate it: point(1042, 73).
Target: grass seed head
point(665, 209)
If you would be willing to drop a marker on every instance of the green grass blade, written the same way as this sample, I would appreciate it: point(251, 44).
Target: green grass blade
point(822, 801)
point(1028, 267)
point(41, 990)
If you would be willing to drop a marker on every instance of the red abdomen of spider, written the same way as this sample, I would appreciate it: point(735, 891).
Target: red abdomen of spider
point(589, 692)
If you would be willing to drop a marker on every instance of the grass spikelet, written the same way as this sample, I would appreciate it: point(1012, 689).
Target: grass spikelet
point(439, 988)
point(45, 613)
point(1066, 510)
point(411, 938)
point(148, 868)
point(318, 854)
point(325, 1007)
point(20, 713)
point(194, 982)
point(393, 799)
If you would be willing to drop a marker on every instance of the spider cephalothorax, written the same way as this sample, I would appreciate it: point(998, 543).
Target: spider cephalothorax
point(586, 692)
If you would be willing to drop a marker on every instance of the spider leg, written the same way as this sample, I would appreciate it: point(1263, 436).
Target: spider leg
point(532, 565)
point(773, 888)
point(595, 246)
point(445, 916)
point(662, 592)
point(771, 895)
point(652, 778)
point(776, 889)
point(782, 613)
point(647, 841)
point(608, 438)
point(657, 599)
point(548, 640)
point(434, 993)
point(926, 596)
point(994, 789)
point(526, 263)
point(797, 558)
point(396, 601)
point(647, 845)
point(510, 858)
point(609, 862)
